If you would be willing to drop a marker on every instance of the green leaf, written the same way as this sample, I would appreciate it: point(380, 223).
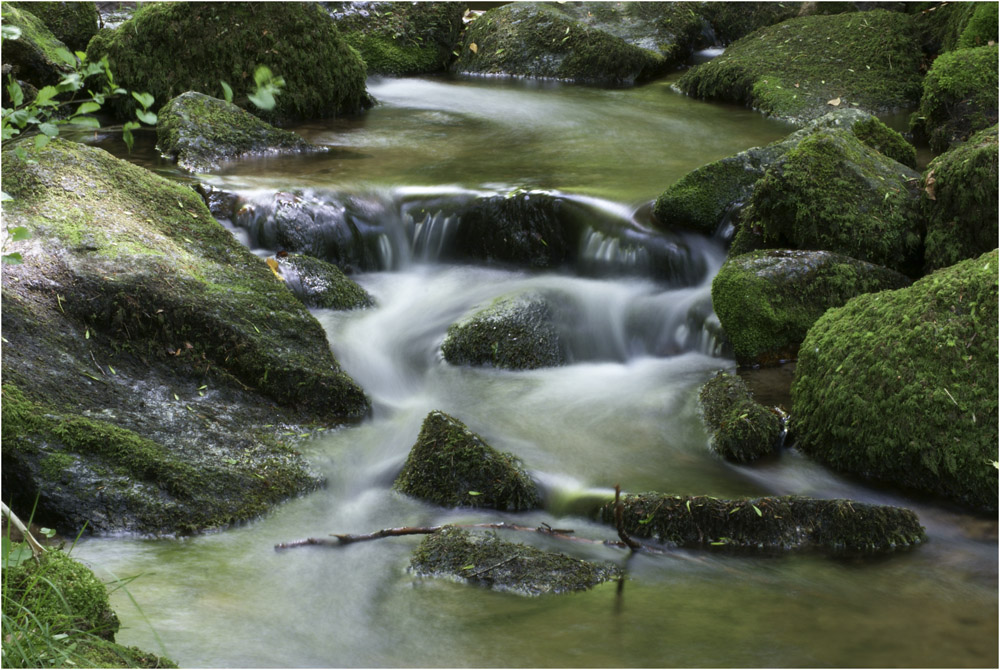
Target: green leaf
point(5, 196)
point(127, 134)
point(144, 99)
point(146, 117)
point(41, 141)
point(475, 493)
point(12, 259)
point(227, 92)
point(262, 99)
point(66, 56)
point(86, 121)
point(45, 95)
point(757, 509)
point(15, 92)
point(17, 233)
point(87, 108)
point(48, 532)
point(262, 75)
point(470, 566)
point(689, 506)
point(50, 129)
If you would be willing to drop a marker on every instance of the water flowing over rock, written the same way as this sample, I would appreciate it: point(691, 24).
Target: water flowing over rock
point(320, 284)
point(742, 429)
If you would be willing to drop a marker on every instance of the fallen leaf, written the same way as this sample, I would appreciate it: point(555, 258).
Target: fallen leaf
point(473, 48)
point(835, 102)
point(929, 185)
point(273, 264)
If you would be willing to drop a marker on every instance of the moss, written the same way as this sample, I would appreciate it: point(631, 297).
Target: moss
point(200, 132)
point(901, 386)
point(732, 20)
point(54, 466)
point(831, 192)
point(767, 300)
point(73, 23)
point(959, 97)
point(981, 27)
point(226, 41)
point(451, 466)
point(488, 561)
point(34, 55)
point(886, 141)
point(959, 201)
point(769, 524)
point(742, 429)
point(320, 284)
point(792, 69)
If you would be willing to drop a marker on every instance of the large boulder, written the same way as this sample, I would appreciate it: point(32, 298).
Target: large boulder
point(34, 55)
point(767, 300)
point(901, 386)
point(798, 68)
point(959, 98)
point(743, 430)
point(959, 201)
point(451, 466)
point(167, 48)
point(515, 332)
point(72, 23)
point(201, 133)
point(732, 20)
point(769, 524)
point(487, 560)
point(149, 355)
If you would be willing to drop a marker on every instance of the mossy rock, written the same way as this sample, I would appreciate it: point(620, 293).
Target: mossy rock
point(732, 20)
point(320, 284)
point(982, 26)
point(901, 386)
point(201, 132)
point(514, 332)
point(833, 193)
point(34, 55)
point(72, 23)
point(167, 48)
point(402, 39)
point(946, 26)
point(769, 524)
point(451, 466)
point(487, 560)
point(767, 300)
point(537, 40)
point(960, 97)
point(959, 201)
point(743, 430)
point(794, 69)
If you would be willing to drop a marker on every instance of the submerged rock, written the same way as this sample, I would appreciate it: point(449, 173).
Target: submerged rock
point(451, 466)
point(901, 386)
point(201, 132)
point(514, 332)
point(769, 524)
point(320, 284)
point(742, 429)
point(767, 300)
point(959, 202)
point(486, 560)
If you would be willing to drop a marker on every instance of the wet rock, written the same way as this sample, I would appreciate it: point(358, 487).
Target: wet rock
point(742, 429)
point(33, 56)
point(901, 386)
point(72, 23)
point(959, 97)
point(320, 284)
point(768, 300)
point(800, 68)
point(201, 132)
point(732, 20)
point(959, 202)
point(488, 561)
point(401, 39)
point(451, 466)
point(149, 356)
point(769, 524)
point(226, 41)
point(514, 332)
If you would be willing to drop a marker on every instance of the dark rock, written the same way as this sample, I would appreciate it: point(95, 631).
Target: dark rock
point(72, 23)
point(742, 429)
point(34, 56)
point(320, 284)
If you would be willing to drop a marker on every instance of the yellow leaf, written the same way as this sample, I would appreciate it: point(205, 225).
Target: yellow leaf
point(835, 102)
point(473, 48)
point(273, 264)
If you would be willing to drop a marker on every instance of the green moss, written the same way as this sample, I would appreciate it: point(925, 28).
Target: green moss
point(383, 55)
point(699, 200)
point(886, 141)
point(54, 466)
point(981, 27)
point(451, 466)
point(321, 284)
point(901, 386)
point(959, 97)
point(768, 524)
point(226, 41)
point(767, 300)
point(34, 54)
point(732, 20)
point(742, 430)
point(506, 566)
point(962, 214)
point(72, 23)
point(792, 69)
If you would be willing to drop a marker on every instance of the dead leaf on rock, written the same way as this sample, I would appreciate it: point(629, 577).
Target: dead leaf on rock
point(473, 48)
point(273, 264)
point(835, 102)
point(929, 185)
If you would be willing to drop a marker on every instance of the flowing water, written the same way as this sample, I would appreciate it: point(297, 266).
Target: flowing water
point(623, 411)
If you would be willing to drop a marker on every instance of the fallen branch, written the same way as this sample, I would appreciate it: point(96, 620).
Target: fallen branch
point(36, 548)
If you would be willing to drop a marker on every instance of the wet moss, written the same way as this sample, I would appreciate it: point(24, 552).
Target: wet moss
point(34, 54)
point(981, 27)
point(489, 561)
point(959, 97)
point(320, 284)
point(742, 429)
point(732, 20)
point(226, 41)
point(886, 141)
point(72, 23)
point(769, 524)
point(451, 466)
point(901, 386)
point(961, 216)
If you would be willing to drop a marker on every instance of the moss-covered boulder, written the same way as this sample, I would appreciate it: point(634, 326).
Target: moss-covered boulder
point(530, 39)
point(959, 98)
point(901, 386)
point(947, 26)
point(732, 20)
point(798, 68)
point(62, 597)
point(149, 355)
point(486, 560)
point(402, 39)
point(959, 201)
point(167, 48)
point(34, 56)
point(320, 284)
point(767, 300)
point(201, 132)
point(451, 466)
point(515, 332)
point(72, 23)
point(743, 430)
point(769, 524)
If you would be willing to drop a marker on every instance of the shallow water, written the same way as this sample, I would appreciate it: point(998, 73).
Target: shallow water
point(624, 411)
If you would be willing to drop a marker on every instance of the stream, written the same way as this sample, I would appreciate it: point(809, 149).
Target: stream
point(623, 411)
